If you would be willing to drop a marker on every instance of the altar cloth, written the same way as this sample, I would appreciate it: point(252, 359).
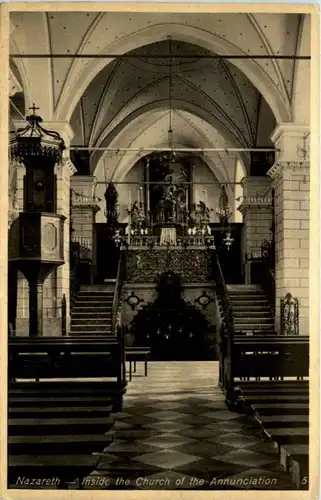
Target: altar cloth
point(168, 236)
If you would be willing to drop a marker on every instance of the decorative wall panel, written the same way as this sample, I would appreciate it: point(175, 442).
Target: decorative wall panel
point(146, 265)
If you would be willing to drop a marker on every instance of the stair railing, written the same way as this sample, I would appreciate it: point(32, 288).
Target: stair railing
point(226, 329)
point(121, 276)
point(63, 316)
point(268, 275)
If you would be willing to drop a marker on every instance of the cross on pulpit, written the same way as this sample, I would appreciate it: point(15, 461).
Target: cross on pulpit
point(33, 108)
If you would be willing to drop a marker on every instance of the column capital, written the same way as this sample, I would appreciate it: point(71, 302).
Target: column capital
point(292, 142)
point(67, 164)
point(289, 129)
point(255, 203)
point(291, 139)
point(288, 168)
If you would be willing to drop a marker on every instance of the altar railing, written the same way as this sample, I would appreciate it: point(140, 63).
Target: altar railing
point(182, 241)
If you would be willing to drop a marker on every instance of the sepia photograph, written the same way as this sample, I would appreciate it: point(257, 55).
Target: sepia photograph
point(159, 249)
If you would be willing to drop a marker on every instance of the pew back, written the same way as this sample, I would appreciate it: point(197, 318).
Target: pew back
point(258, 355)
point(270, 356)
point(67, 357)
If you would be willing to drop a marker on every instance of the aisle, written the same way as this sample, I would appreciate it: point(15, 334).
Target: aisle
point(175, 432)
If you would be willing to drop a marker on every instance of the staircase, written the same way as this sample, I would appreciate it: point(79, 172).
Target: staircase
point(251, 309)
point(91, 314)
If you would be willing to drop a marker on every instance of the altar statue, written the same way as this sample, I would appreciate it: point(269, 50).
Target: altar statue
point(169, 204)
point(223, 201)
point(137, 217)
point(111, 197)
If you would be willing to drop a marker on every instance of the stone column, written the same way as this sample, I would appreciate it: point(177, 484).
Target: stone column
point(22, 313)
point(64, 171)
point(84, 209)
point(256, 209)
point(291, 179)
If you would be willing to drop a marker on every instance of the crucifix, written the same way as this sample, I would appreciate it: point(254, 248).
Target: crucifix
point(33, 108)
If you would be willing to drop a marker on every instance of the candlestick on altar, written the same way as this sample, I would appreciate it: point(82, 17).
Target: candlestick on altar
point(186, 207)
point(205, 197)
point(129, 214)
point(147, 190)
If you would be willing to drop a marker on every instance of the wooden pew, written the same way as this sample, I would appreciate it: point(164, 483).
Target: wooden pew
point(66, 357)
point(60, 422)
point(268, 376)
point(270, 356)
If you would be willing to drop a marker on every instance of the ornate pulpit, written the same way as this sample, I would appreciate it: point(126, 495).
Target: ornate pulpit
point(36, 239)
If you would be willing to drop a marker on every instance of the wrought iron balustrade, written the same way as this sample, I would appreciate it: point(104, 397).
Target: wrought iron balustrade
point(121, 277)
point(74, 271)
point(182, 241)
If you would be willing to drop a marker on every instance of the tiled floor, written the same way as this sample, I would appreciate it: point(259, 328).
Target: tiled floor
point(175, 432)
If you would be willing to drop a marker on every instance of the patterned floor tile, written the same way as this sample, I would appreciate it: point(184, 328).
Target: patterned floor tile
point(128, 446)
point(208, 469)
point(215, 403)
point(136, 433)
point(138, 420)
point(165, 415)
point(167, 459)
point(168, 406)
point(196, 420)
point(221, 415)
point(265, 447)
point(176, 432)
point(168, 426)
point(193, 409)
point(167, 440)
point(139, 410)
point(169, 397)
point(201, 432)
point(205, 449)
point(238, 440)
point(244, 457)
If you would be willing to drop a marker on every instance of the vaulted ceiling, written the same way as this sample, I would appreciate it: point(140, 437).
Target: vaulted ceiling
point(218, 92)
point(124, 102)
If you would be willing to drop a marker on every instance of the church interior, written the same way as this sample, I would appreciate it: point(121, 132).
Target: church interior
point(158, 260)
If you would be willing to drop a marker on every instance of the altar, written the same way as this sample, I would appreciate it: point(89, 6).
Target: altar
point(167, 232)
point(168, 236)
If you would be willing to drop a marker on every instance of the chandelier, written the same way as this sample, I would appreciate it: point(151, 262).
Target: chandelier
point(35, 141)
point(171, 156)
